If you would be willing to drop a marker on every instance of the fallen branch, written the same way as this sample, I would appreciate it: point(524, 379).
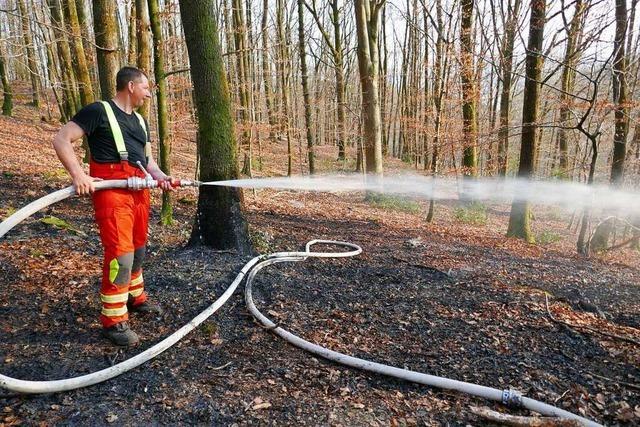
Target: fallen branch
point(521, 421)
point(588, 328)
point(619, 245)
point(611, 380)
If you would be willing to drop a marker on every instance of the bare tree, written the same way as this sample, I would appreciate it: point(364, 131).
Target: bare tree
point(620, 94)
point(469, 92)
point(105, 26)
point(164, 141)
point(305, 87)
point(367, 23)
point(520, 218)
point(219, 221)
point(80, 63)
point(32, 64)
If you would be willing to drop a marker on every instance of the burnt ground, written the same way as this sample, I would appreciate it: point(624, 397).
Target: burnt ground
point(484, 321)
point(457, 302)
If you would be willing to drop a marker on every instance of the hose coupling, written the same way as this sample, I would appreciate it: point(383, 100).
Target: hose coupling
point(511, 398)
point(137, 183)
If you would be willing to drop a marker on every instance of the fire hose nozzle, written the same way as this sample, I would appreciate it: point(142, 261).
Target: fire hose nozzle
point(137, 183)
point(183, 183)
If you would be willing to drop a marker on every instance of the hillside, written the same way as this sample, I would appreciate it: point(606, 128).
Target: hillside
point(453, 298)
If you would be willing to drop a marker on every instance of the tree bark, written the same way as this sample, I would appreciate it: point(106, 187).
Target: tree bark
point(440, 68)
point(520, 217)
point(133, 41)
point(66, 65)
point(143, 60)
point(620, 94)
point(242, 66)
point(31, 55)
point(219, 220)
point(571, 57)
point(164, 142)
point(506, 65)
point(105, 27)
point(338, 59)
point(266, 70)
point(469, 92)
point(283, 59)
point(305, 88)
point(81, 68)
point(367, 14)
point(7, 102)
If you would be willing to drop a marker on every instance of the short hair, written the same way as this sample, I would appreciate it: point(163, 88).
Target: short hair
point(126, 75)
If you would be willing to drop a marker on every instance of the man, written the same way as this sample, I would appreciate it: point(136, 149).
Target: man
point(118, 139)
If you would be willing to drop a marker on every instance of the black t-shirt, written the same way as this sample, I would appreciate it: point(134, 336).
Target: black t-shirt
point(94, 122)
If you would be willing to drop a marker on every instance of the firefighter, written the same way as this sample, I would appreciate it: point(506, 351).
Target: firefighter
point(118, 139)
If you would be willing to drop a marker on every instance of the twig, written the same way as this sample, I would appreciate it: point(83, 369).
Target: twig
point(170, 73)
point(611, 380)
point(561, 397)
point(220, 367)
point(521, 421)
point(588, 328)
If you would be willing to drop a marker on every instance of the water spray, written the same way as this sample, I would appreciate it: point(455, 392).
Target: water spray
point(507, 397)
point(566, 194)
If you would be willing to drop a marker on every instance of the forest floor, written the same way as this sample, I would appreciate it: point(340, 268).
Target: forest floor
point(453, 298)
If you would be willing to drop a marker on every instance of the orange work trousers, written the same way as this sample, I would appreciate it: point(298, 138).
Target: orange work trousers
point(122, 216)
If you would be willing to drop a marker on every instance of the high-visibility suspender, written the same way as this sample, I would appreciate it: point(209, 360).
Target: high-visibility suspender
point(147, 146)
point(117, 133)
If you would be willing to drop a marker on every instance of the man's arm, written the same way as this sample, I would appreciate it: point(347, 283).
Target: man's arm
point(64, 149)
point(166, 181)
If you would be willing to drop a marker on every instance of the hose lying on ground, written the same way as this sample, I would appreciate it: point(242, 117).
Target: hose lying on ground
point(507, 397)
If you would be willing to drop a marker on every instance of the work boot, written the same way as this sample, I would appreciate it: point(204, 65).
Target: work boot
point(146, 307)
point(120, 334)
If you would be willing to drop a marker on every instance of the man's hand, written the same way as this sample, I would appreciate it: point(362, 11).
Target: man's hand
point(167, 183)
point(84, 183)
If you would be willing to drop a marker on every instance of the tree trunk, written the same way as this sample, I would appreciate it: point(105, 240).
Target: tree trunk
point(284, 82)
point(438, 96)
point(619, 95)
point(89, 50)
point(219, 220)
point(143, 59)
point(7, 102)
point(506, 65)
point(66, 65)
point(242, 65)
point(520, 218)
point(31, 55)
point(81, 68)
point(469, 92)
point(305, 87)
point(338, 59)
point(105, 27)
point(132, 50)
point(164, 142)
point(367, 14)
point(571, 57)
point(266, 70)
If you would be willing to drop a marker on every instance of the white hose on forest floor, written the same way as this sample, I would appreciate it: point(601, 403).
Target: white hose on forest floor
point(252, 267)
point(507, 397)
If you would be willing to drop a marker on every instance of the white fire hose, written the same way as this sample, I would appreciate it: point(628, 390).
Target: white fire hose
point(507, 397)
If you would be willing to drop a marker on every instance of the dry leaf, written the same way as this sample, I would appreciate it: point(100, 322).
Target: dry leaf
point(263, 405)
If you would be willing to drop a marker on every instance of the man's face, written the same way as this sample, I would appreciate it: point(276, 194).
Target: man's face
point(139, 91)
